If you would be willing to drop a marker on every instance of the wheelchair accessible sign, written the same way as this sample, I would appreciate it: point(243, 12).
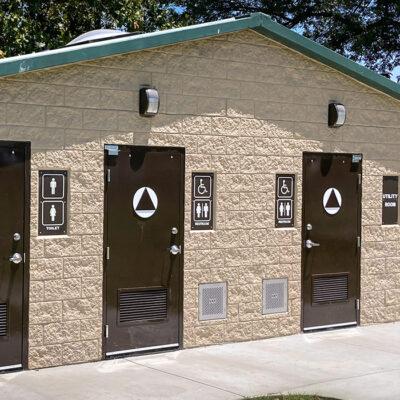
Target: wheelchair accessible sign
point(202, 201)
point(284, 200)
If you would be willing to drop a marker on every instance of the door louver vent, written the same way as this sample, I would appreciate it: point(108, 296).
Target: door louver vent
point(275, 296)
point(212, 301)
point(3, 319)
point(139, 305)
point(327, 289)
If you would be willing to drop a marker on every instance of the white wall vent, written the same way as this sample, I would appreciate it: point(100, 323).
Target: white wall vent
point(212, 301)
point(275, 296)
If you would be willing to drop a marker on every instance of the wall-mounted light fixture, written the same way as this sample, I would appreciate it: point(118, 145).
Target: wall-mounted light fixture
point(149, 101)
point(336, 115)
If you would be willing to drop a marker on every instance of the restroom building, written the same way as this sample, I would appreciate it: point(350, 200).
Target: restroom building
point(216, 183)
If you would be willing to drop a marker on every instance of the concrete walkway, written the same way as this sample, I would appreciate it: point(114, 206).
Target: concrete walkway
point(358, 363)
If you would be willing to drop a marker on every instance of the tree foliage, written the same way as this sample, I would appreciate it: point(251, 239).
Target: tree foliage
point(367, 31)
point(34, 25)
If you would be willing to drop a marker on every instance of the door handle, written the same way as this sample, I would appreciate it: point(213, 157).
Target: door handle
point(310, 244)
point(174, 250)
point(16, 258)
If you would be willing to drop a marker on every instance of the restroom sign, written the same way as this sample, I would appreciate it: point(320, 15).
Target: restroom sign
point(284, 200)
point(202, 200)
point(390, 205)
point(52, 202)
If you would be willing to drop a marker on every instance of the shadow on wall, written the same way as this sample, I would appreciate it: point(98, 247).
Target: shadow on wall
point(231, 132)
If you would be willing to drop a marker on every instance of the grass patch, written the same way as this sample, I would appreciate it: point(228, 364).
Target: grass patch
point(291, 397)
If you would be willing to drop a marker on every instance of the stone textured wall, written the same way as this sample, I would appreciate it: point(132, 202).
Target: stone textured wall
point(244, 107)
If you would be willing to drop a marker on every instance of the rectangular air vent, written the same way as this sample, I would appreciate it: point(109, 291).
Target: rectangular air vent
point(275, 296)
point(3, 319)
point(141, 305)
point(330, 288)
point(212, 301)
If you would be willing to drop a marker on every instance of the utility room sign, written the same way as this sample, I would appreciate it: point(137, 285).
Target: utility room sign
point(390, 205)
point(53, 202)
point(284, 200)
point(202, 201)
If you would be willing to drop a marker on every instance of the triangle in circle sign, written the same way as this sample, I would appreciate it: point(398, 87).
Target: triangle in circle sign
point(332, 201)
point(145, 202)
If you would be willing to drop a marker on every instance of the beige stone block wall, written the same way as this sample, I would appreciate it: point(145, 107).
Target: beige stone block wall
point(244, 107)
point(66, 272)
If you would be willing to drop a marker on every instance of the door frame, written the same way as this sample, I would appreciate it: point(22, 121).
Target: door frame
point(359, 230)
point(26, 248)
point(181, 235)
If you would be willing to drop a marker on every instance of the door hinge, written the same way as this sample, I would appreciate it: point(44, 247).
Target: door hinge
point(108, 175)
point(358, 241)
point(358, 304)
point(107, 253)
point(359, 179)
point(24, 258)
point(106, 331)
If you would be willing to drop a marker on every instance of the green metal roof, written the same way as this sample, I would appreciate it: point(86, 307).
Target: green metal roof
point(258, 22)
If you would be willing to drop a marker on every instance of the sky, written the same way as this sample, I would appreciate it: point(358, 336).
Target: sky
point(395, 73)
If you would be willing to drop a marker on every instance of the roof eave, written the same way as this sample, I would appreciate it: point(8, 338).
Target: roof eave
point(92, 51)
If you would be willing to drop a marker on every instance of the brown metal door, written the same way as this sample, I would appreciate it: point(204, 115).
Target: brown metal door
point(331, 240)
point(13, 195)
point(144, 241)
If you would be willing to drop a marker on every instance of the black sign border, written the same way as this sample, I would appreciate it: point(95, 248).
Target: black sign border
point(42, 230)
point(210, 225)
point(386, 212)
point(292, 198)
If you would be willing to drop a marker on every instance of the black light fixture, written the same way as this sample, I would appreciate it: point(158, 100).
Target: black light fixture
point(149, 101)
point(336, 115)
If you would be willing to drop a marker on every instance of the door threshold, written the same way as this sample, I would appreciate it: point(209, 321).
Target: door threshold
point(332, 326)
point(142, 350)
point(9, 367)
